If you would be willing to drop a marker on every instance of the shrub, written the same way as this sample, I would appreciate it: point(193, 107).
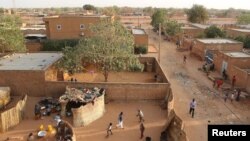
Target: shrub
point(59, 45)
point(141, 50)
point(245, 40)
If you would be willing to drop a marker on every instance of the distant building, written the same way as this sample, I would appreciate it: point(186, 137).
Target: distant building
point(191, 32)
point(238, 32)
point(33, 30)
point(206, 48)
point(235, 63)
point(133, 20)
point(71, 26)
point(34, 43)
point(140, 37)
point(26, 73)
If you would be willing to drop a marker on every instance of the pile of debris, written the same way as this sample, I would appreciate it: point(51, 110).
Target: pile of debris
point(47, 106)
point(83, 95)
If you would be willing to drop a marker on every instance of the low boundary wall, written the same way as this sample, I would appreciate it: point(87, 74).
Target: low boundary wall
point(12, 116)
point(114, 91)
point(88, 113)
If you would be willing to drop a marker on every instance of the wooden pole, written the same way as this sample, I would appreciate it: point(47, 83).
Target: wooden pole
point(159, 51)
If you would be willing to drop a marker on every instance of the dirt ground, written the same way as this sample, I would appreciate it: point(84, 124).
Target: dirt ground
point(96, 131)
point(154, 122)
point(188, 82)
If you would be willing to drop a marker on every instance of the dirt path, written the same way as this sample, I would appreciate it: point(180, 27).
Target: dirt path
point(188, 82)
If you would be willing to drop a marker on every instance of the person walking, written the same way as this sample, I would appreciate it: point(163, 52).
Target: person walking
point(226, 96)
point(120, 120)
point(140, 115)
point(238, 95)
point(142, 129)
point(109, 129)
point(233, 95)
point(233, 81)
point(192, 107)
point(184, 59)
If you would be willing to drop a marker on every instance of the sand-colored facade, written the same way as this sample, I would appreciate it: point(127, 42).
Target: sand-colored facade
point(202, 46)
point(233, 32)
point(140, 37)
point(235, 63)
point(70, 27)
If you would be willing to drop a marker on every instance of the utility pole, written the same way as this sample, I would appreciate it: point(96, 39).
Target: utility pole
point(159, 50)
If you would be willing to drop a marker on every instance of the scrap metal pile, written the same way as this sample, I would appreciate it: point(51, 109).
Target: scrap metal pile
point(83, 95)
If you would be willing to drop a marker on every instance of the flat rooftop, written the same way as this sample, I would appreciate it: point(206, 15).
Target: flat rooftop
point(188, 27)
point(75, 16)
point(36, 35)
point(202, 26)
point(242, 30)
point(29, 61)
point(244, 26)
point(217, 41)
point(247, 70)
point(237, 54)
point(32, 28)
point(138, 31)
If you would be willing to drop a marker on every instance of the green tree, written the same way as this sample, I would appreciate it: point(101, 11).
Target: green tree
point(197, 14)
point(110, 11)
point(1, 10)
point(245, 40)
point(244, 19)
point(89, 7)
point(158, 17)
point(148, 11)
point(11, 37)
point(172, 28)
point(214, 32)
point(110, 49)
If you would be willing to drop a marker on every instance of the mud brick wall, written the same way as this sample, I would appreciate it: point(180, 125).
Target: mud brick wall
point(88, 113)
point(12, 116)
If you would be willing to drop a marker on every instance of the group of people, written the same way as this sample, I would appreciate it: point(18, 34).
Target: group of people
point(73, 80)
point(140, 115)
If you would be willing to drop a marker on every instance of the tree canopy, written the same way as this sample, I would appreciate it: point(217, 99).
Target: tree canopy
point(11, 37)
point(244, 18)
point(197, 14)
point(89, 7)
point(158, 17)
point(110, 49)
point(172, 27)
point(245, 40)
point(214, 32)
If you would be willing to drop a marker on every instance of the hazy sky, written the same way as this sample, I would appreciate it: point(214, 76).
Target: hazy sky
point(218, 4)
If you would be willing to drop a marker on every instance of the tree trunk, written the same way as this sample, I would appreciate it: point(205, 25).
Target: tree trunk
point(106, 73)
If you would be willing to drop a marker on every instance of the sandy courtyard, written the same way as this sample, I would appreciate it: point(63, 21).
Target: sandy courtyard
point(155, 119)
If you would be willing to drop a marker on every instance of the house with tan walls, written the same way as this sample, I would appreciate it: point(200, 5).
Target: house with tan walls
point(26, 73)
point(205, 48)
point(71, 26)
point(235, 32)
point(140, 37)
point(235, 63)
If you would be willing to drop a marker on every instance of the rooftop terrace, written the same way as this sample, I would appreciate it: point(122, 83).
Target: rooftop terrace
point(29, 61)
point(217, 41)
point(238, 54)
point(138, 31)
point(242, 30)
point(202, 26)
